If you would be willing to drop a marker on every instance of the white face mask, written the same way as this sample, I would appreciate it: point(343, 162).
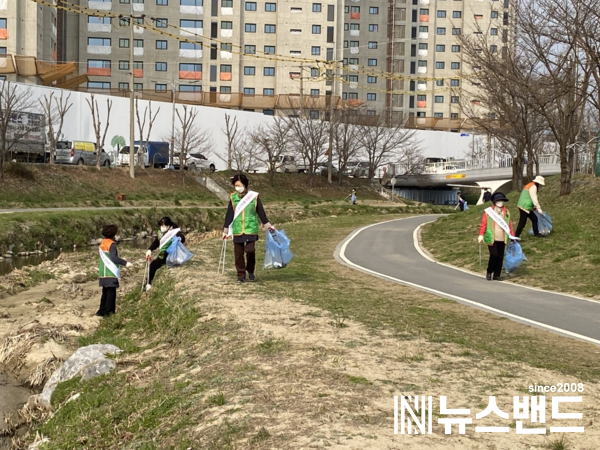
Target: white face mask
point(499, 204)
point(163, 229)
point(240, 189)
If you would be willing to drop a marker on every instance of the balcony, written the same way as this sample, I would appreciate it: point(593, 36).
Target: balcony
point(190, 53)
point(226, 55)
point(424, 18)
point(422, 52)
point(355, 16)
point(421, 104)
point(423, 35)
point(225, 76)
point(423, 2)
point(421, 69)
point(99, 27)
point(421, 86)
point(96, 49)
point(226, 33)
point(191, 31)
point(102, 6)
point(187, 75)
point(354, 33)
point(138, 73)
point(227, 11)
point(138, 7)
point(138, 29)
point(99, 71)
point(54, 31)
point(138, 51)
point(353, 85)
point(195, 10)
point(354, 50)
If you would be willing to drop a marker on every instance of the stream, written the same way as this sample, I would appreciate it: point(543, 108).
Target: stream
point(12, 397)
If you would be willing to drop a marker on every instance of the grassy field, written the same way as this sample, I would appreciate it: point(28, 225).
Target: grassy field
point(211, 364)
point(568, 260)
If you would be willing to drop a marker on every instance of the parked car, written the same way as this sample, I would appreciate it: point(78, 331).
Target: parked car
point(350, 168)
point(156, 154)
point(321, 169)
point(286, 164)
point(361, 170)
point(79, 153)
point(197, 161)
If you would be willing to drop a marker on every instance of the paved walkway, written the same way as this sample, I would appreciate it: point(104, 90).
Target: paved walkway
point(105, 208)
point(389, 250)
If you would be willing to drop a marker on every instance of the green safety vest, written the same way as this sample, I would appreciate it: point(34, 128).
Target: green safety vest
point(525, 202)
point(247, 221)
point(488, 237)
point(103, 271)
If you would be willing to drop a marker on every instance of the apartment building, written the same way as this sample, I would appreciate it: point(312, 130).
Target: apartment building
point(27, 29)
point(423, 52)
point(226, 47)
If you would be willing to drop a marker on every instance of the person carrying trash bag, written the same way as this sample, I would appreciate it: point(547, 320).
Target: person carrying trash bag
point(496, 230)
point(164, 239)
point(244, 212)
point(528, 203)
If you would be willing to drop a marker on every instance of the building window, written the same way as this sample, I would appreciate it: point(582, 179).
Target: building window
point(353, 60)
point(190, 46)
point(191, 2)
point(355, 9)
point(138, 43)
point(454, 99)
point(226, 25)
point(438, 99)
point(422, 63)
point(315, 72)
point(161, 45)
point(371, 97)
point(316, 7)
point(250, 49)
point(440, 65)
point(269, 71)
point(189, 88)
point(372, 45)
point(270, 29)
point(184, 23)
point(161, 67)
point(371, 79)
point(162, 3)
point(353, 78)
point(373, 27)
point(123, 43)
point(250, 6)
point(269, 112)
point(123, 65)
point(456, 48)
point(225, 89)
point(249, 91)
point(314, 92)
point(455, 65)
point(249, 70)
point(493, 49)
point(225, 4)
point(123, 86)
point(456, 31)
point(373, 10)
point(98, 85)
point(226, 47)
point(91, 19)
point(421, 98)
point(423, 29)
point(162, 23)
point(250, 28)
point(316, 50)
point(439, 82)
point(456, 14)
point(440, 30)
point(270, 7)
point(269, 50)
point(225, 68)
point(185, 67)
point(441, 14)
point(438, 115)
point(345, 44)
point(494, 14)
point(316, 29)
point(494, 31)
point(423, 46)
point(372, 62)
point(160, 87)
point(354, 44)
point(454, 82)
point(440, 48)
point(97, 41)
point(269, 92)
point(346, 27)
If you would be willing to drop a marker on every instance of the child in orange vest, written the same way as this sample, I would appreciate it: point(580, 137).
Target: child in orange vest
point(108, 271)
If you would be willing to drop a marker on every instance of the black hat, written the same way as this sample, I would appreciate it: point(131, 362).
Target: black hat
point(499, 197)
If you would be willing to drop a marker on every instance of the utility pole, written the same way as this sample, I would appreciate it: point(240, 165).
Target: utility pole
point(331, 124)
point(172, 149)
point(131, 100)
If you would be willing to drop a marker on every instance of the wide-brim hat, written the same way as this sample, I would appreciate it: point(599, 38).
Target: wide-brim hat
point(539, 180)
point(499, 197)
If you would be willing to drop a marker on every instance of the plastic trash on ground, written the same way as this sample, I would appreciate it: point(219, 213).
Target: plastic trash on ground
point(544, 224)
point(178, 255)
point(514, 257)
point(277, 250)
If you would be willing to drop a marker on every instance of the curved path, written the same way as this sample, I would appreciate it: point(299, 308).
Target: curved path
point(390, 250)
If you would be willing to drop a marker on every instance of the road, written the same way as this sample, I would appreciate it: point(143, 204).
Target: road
point(389, 250)
point(105, 208)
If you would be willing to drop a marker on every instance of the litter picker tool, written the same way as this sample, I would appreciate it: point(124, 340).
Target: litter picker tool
point(480, 255)
point(221, 268)
point(146, 273)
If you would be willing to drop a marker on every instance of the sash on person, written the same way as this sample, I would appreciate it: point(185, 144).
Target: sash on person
point(500, 221)
point(251, 195)
point(109, 264)
point(168, 236)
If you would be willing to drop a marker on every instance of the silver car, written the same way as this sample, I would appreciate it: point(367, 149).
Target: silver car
point(197, 161)
point(79, 153)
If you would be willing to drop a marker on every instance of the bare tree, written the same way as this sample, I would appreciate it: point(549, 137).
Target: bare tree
point(55, 109)
point(346, 142)
point(142, 126)
point(245, 153)
point(382, 144)
point(189, 136)
point(13, 100)
point(272, 141)
point(230, 131)
point(97, 124)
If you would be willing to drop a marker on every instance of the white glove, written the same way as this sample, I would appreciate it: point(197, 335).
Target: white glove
point(480, 239)
point(540, 212)
point(128, 265)
point(148, 253)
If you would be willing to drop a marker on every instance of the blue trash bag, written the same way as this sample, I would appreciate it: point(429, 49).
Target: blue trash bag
point(173, 245)
point(179, 255)
point(544, 224)
point(277, 250)
point(466, 207)
point(514, 257)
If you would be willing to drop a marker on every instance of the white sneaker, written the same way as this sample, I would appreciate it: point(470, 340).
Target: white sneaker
point(148, 287)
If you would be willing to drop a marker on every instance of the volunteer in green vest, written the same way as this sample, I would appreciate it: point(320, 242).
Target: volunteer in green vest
point(244, 215)
point(495, 234)
point(108, 271)
point(527, 204)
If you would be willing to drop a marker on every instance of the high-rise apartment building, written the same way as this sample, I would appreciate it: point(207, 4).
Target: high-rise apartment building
point(418, 43)
point(214, 49)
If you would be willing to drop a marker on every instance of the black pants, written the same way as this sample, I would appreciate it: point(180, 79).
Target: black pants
point(108, 301)
point(249, 263)
point(523, 215)
point(154, 266)
point(496, 258)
